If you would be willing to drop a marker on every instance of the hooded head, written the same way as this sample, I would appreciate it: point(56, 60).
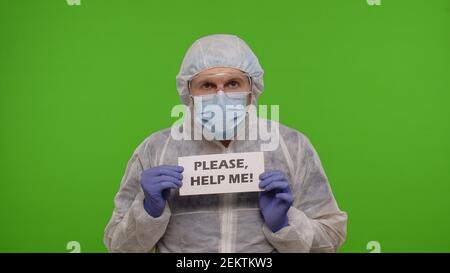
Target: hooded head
point(219, 50)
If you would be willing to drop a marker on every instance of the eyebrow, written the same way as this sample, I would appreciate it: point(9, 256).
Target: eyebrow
point(200, 82)
point(238, 78)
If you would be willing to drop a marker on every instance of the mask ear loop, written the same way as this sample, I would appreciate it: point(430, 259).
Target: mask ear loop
point(190, 93)
point(250, 79)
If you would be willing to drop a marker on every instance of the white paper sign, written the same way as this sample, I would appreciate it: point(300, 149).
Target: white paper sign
point(221, 173)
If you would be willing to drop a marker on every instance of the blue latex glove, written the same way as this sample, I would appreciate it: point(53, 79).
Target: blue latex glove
point(156, 183)
point(275, 200)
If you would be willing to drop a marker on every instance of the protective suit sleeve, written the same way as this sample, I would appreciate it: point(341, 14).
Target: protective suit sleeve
point(315, 222)
point(131, 228)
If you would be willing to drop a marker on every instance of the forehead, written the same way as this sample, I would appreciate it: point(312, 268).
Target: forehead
point(217, 70)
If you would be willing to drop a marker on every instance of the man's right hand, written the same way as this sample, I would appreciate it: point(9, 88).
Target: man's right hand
point(156, 183)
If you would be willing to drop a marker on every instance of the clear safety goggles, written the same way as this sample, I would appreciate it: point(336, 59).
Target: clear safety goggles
point(229, 83)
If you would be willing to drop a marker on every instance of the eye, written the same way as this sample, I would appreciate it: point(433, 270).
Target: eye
point(207, 86)
point(233, 84)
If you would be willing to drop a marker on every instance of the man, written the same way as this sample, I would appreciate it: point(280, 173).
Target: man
point(295, 212)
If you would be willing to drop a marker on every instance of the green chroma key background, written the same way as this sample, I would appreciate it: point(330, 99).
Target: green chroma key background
point(82, 86)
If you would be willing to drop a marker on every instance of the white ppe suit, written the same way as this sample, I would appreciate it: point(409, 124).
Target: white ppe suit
point(226, 222)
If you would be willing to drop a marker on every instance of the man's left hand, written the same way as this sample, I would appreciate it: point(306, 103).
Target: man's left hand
point(275, 200)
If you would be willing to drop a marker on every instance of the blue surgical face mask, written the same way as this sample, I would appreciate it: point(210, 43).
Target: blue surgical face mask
point(221, 113)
